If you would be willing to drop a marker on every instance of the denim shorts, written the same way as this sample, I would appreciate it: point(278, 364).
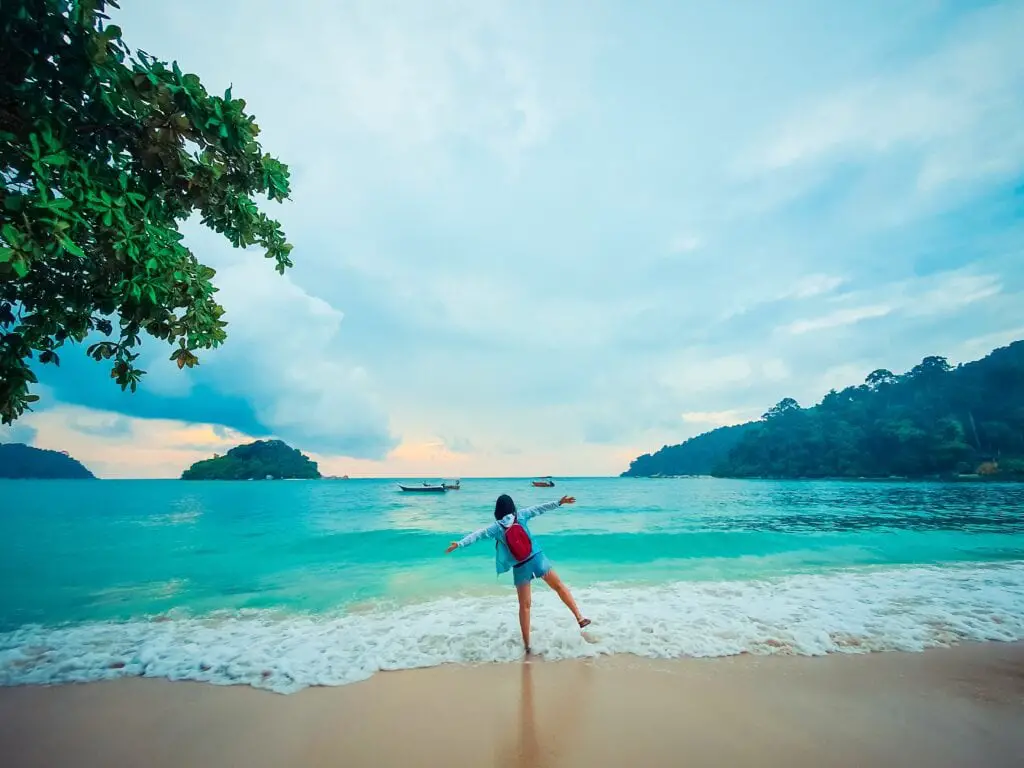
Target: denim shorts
point(534, 568)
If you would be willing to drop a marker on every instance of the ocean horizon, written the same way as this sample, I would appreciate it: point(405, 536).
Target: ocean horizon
point(288, 585)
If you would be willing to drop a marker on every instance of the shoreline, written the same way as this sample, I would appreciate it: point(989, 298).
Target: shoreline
point(941, 707)
point(849, 611)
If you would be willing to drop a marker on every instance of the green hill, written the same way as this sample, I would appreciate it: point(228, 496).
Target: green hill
point(932, 421)
point(697, 456)
point(23, 462)
point(263, 459)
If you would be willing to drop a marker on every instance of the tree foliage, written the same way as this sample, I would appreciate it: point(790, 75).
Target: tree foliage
point(697, 456)
point(255, 461)
point(933, 420)
point(103, 153)
point(20, 462)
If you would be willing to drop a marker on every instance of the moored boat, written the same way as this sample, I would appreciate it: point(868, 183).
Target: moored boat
point(425, 488)
point(544, 482)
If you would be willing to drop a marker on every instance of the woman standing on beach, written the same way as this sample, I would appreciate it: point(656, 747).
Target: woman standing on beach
point(515, 548)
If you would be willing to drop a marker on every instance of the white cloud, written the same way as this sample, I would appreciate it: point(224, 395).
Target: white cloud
point(943, 293)
point(481, 192)
point(410, 74)
point(136, 448)
point(20, 431)
point(955, 290)
point(419, 74)
point(717, 418)
point(684, 243)
point(775, 370)
point(839, 377)
point(979, 346)
point(839, 317)
point(692, 372)
point(283, 356)
point(959, 109)
point(814, 285)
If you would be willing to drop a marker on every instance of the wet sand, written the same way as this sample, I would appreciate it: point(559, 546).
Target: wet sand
point(951, 707)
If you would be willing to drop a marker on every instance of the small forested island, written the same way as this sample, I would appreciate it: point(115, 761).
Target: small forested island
point(23, 462)
point(932, 421)
point(261, 460)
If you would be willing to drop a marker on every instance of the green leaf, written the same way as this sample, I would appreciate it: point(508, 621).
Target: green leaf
point(71, 248)
point(110, 201)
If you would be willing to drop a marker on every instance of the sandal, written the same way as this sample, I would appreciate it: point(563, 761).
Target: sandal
point(584, 623)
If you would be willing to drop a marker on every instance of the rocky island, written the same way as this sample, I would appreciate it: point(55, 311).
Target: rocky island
point(261, 460)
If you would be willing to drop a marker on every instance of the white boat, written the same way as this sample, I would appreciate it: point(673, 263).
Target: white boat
point(425, 488)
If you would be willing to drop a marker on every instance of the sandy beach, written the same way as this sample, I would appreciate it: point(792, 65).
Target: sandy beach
point(951, 707)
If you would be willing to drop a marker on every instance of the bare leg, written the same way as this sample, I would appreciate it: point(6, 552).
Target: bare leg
point(563, 592)
point(525, 598)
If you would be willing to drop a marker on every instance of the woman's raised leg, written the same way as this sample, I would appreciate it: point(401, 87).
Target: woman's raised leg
point(563, 592)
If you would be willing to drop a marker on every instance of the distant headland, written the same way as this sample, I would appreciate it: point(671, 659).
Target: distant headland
point(261, 460)
point(934, 421)
point(23, 462)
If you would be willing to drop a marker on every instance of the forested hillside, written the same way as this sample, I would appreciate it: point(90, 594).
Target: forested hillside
point(23, 462)
point(697, 456)
point(932, 420)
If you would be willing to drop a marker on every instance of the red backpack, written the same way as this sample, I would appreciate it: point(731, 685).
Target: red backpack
point(518, 541)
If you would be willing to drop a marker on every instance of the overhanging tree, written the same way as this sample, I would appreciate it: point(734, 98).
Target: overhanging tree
point(103, 153)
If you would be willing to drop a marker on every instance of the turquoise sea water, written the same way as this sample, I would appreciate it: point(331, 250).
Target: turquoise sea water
point(288, 584)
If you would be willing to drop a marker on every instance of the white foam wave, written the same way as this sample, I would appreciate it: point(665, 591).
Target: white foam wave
point(852, 612)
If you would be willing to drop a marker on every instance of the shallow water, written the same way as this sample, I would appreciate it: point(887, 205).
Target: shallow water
point(288, 584)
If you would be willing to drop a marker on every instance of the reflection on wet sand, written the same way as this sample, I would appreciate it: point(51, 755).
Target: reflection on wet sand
point(545, 738)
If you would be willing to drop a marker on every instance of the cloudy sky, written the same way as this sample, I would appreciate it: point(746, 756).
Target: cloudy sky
point(543, 237)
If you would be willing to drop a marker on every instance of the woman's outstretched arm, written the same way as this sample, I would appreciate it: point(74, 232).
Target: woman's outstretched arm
point(487, 532)
point(540, 509)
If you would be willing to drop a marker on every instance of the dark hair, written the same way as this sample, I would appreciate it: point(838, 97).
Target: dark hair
point(504, 506)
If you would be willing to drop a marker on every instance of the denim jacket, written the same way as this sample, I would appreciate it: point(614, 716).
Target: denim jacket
point(503, 559)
